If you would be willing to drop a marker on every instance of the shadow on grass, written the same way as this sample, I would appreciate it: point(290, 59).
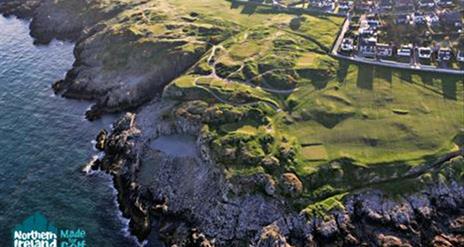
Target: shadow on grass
point(234, 5)
point(365, 78)
point(449, 87)
point(427, 79)
point(249, 9)
point(449, 84)
point(318, 80)
point(385, 74)
point(406, 76)
point(342, 71)
point(258, 8)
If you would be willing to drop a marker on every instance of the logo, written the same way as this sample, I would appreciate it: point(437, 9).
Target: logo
point(36, 231)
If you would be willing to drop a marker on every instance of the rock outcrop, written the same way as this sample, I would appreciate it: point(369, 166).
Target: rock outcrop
point(190, 202)
point(121, 47)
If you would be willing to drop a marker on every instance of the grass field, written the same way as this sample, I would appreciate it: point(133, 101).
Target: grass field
point(376, 118)
point(376, 115)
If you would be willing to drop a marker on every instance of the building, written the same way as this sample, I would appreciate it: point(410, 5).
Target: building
point(367, 47)
point(424, 53)
point(426, 4)
point(384, 50)
point(404, 51)
point(444, 54)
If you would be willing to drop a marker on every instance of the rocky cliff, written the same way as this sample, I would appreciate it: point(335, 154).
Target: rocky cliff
point(119, 46)
point(190, 201)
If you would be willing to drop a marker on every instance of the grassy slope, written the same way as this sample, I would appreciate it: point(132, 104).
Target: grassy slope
point(384, 120)
point(377, 117)
point(381, 116)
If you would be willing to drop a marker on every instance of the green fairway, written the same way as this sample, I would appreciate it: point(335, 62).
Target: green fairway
point(377, 115)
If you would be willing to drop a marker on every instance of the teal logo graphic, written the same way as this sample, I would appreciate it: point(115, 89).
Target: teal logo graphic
point(36, 231)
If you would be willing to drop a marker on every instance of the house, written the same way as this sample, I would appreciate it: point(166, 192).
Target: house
point(384, 50)
point(364, 6)
point(325, 5)
point(366, 32)
point(451, 19)
point(385, 5)
point(419, 19)
point(444, 54)
point(424, 53)
point(405, 51)
point(367, 47)
point(344, 6)
point(371, 21)
point(426, 4)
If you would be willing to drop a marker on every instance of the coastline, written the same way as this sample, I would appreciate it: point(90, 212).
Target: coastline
point(368, 213)
point(143, 204)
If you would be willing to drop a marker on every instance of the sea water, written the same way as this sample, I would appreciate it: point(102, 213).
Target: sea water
point(44, 141)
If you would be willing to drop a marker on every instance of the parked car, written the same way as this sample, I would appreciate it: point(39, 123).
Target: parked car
point(444, 54)
point(347, 45)
point(366, 31)
point(367, 47)
point(345, 5)
point(425, 53)
point(460, 56)
point(373, 23)
point(404, 51)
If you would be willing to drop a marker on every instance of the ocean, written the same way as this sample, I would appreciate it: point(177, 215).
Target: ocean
point(44, 143)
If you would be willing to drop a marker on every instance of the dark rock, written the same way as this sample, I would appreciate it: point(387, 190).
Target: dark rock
point(94, 113)
point(327, 229)
point(101, 140)
point(95, 164)
point(124, 123)
point(457, 224)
